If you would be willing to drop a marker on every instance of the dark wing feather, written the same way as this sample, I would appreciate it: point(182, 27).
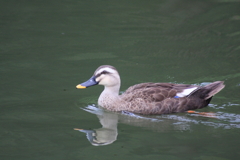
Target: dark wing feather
point(154, 92)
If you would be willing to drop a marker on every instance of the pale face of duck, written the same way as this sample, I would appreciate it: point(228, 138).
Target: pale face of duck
point(105, 75)
point(108, 77)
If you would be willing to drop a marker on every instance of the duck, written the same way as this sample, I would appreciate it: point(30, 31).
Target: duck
point(149, 98)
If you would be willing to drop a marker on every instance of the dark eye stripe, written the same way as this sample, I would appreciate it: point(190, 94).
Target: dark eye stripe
point(103, 72)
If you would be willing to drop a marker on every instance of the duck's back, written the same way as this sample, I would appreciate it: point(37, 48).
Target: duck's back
point(156, 92)
point(162, 98)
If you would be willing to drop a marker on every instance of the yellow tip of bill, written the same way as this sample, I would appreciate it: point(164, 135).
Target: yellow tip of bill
point(80, 87)
point(77, 129)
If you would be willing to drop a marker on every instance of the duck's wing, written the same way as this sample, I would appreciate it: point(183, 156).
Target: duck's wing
point(157, 92)
point(163, 98)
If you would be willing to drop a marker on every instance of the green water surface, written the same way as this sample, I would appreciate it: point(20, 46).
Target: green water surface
point(48, 47)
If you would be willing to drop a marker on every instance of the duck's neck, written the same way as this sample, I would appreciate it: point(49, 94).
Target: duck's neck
point(110, 92)
point(109, 96)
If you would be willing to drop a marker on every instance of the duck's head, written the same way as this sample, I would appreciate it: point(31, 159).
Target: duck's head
point(105, 75)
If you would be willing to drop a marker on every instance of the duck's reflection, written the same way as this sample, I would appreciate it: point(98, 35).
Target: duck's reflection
point(105, 135)
point(161, 123)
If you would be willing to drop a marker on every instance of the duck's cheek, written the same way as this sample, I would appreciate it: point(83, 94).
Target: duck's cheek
point(98, 80)
point(104, 82)
point(101, 80)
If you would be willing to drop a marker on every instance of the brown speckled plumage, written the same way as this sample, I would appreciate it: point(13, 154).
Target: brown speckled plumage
point(151, 98)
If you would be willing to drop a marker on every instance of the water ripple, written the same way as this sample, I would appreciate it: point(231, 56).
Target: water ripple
point(180, 121)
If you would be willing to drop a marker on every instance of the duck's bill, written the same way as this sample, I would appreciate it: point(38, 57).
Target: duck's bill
point(88, 83)
point(79, 86)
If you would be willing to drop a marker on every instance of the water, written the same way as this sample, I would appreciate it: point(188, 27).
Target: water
point(47, 48)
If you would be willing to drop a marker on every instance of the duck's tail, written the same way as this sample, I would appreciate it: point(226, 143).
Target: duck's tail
point(208, 91)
